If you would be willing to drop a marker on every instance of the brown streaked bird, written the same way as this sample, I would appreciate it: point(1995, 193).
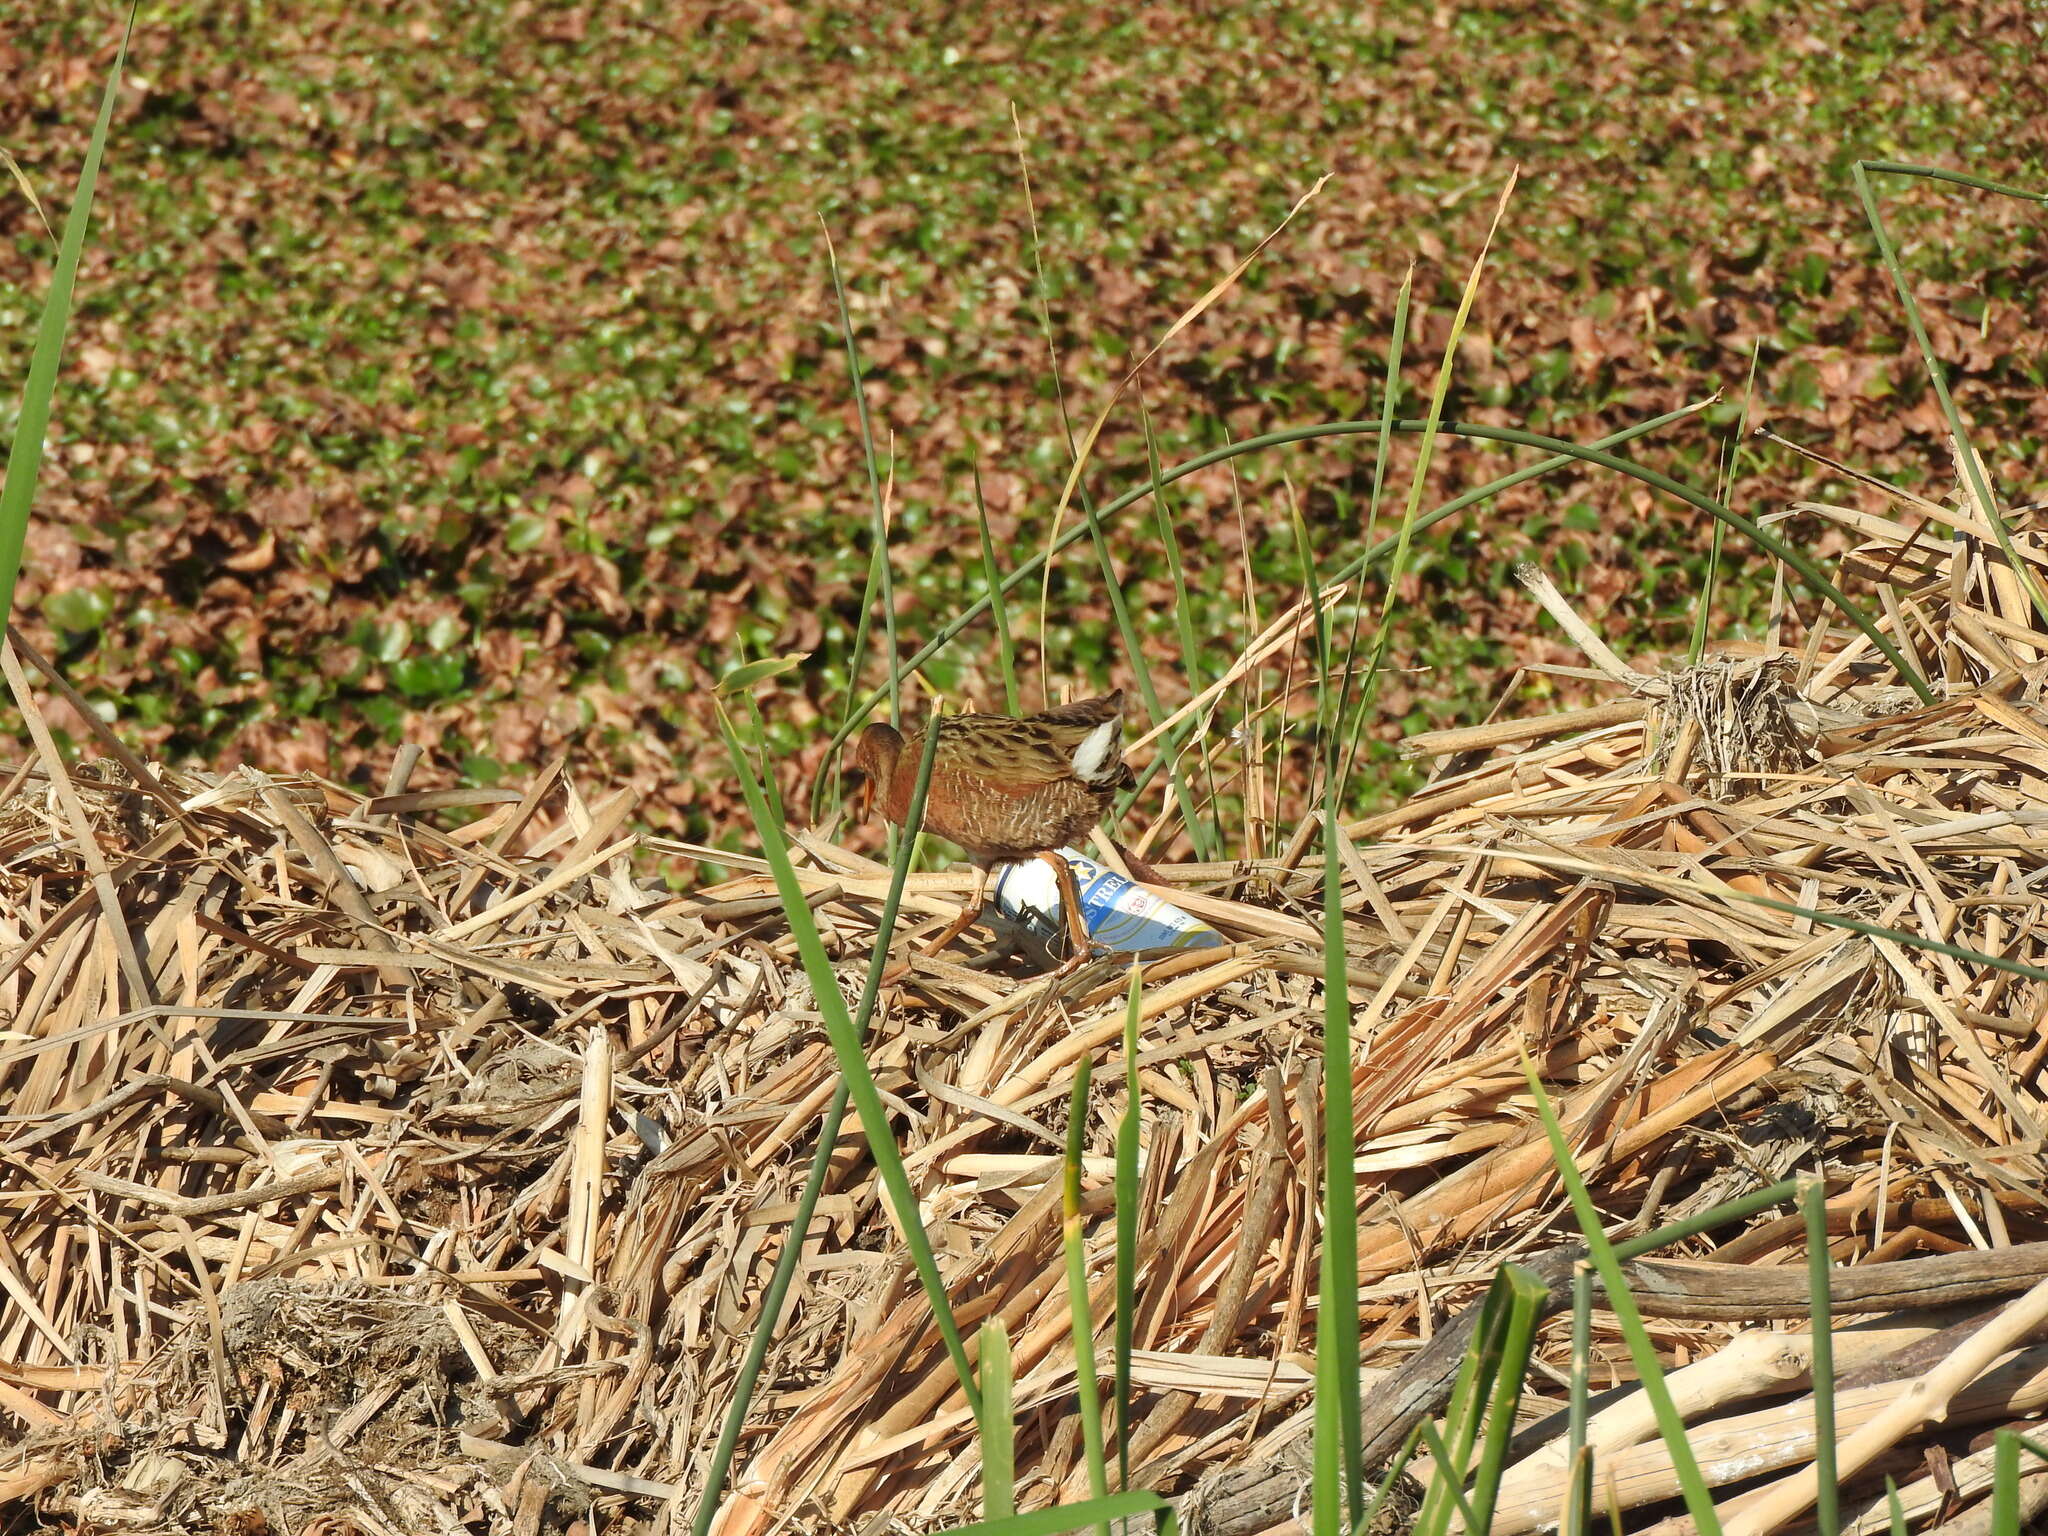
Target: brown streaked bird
point(1005, 788)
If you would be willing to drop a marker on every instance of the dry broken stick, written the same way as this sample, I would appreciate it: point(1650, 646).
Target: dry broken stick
point(1926, 1397)
point(1167, 1415)
point(90, 854)
point(1635, 1465)
point(1506, 733)
point(1692, 1291)
point(1544, 590)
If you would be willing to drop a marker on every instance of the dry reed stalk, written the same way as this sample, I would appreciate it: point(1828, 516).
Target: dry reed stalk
point(345, 1138)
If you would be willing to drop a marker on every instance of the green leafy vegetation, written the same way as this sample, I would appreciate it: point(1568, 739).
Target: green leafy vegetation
point(479, 381)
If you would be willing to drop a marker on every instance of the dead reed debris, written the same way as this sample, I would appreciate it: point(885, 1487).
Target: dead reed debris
point(369, 1164)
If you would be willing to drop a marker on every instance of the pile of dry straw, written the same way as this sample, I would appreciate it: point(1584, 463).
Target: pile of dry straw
point(370, 1169)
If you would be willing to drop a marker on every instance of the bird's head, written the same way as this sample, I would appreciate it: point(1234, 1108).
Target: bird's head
point(869, 764)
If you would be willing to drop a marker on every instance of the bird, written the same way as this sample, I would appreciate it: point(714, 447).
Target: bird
point(1006, 788)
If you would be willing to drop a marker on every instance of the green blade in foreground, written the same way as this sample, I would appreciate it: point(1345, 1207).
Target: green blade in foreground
point(1488, 1386)
point(1525, 1298)
point(1339, 1470)
point(1073, 1240)
point(1127, 1132)
point(846, 1045)
point(1813, 1202)
point(1699, 1499)
point(25, 456)
point(784, 1274)
point(1072, 1517)
point(998, 1424)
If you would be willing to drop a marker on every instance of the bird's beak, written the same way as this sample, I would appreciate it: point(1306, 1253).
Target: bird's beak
point(860, 797)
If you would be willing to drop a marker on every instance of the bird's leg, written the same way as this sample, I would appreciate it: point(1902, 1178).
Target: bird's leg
point(1070, 904)
point(968, 914)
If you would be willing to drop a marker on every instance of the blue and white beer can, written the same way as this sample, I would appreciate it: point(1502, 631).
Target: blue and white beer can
point(1119, 915)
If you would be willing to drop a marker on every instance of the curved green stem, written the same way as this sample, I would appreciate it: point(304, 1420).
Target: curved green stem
point(1807, 567)
point(1163, 478)
point(1972, 467)
point(1562, 451)
point(1936, 173)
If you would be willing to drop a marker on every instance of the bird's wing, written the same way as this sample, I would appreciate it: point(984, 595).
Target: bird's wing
point(1083, 713)
point(1089, 734)
point(1015, 753)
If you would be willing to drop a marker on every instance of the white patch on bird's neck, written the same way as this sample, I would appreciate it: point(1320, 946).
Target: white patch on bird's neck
point(1093, 754)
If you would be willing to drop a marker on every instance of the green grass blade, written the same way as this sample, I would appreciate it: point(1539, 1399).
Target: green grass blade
point(998, 1423)
point(1432, 426)
point(1134, 649)
point(2005, 1484)
point(749, 675)
point(1327, 690)
point(1972, 466)
point(1390, 403)
point(846, 1045)
point(1340, 1475)
point(879, 581)
point(1134, 653)
point(1699, 1501)
point(1043, 293)
point(1707, 1221)
point(1079, 1312)
point(1056, 536)
point(1404, 537)
point(814, 1180)
point(1525, 1302)
point(1959, 178)
point(1169, 545)
point(1453, 1491)
point(1465, 1409)
point(1164, 758)
point(1129, 1127)
point(1119, 609)
point(1330, 1476)
point(1074, 1517)
point(1897, 1510)
point(1561, 452)
point(998, 612)
point(779, 1282)
point(1127, 633)
point(1813, 1202)
point(1382, 454)
point(1207, 840)
point(760, 737)
point(1578, 1496)
point(1579, 1493)
point(1726, 492)
point(1388, 1479)
point(25, 454)
point(1706, 602)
